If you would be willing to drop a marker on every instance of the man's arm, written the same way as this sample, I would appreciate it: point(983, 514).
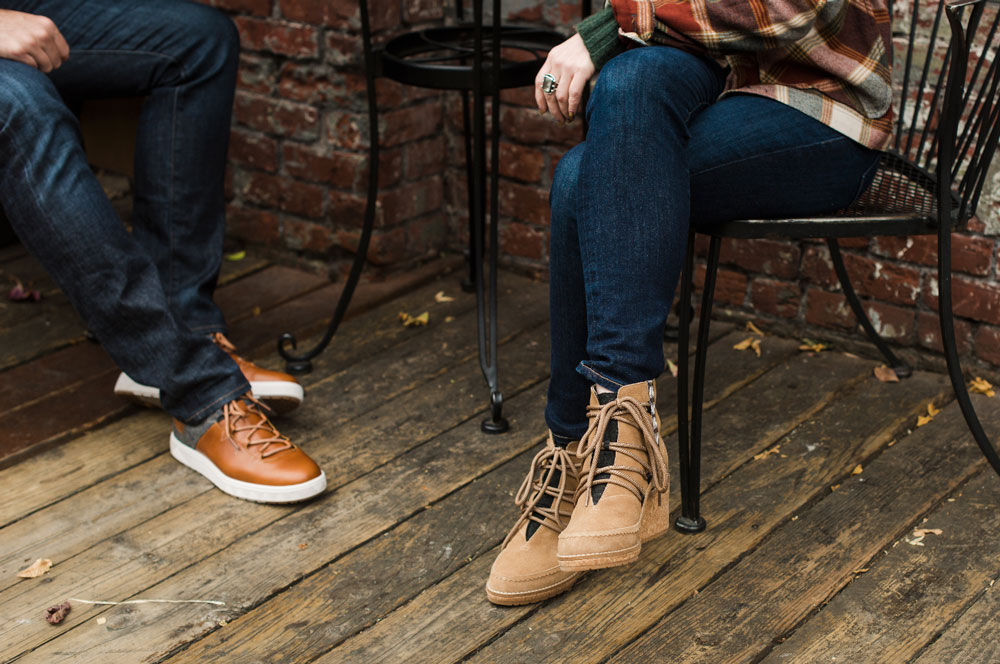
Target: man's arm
point(31, 39)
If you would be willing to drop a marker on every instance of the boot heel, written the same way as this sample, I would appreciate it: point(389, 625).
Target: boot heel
point(655, 514)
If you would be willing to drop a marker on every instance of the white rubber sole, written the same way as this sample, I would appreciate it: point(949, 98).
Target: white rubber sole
point(258, 493)
point(285, 395)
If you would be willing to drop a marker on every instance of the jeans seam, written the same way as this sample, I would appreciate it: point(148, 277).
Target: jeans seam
point(768, 154)
point(598, 373)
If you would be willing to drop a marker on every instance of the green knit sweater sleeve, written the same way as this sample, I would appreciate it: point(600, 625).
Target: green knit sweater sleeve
point(600, 35)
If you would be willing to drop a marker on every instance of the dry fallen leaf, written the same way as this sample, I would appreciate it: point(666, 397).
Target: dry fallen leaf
point(885, 374)
point(102, 620)
point(766, 453)
point(255, 311)
point(981, 386)
point(743, 345)
point(36, 569)
point(834, 487)
point(413, 321)
point(813, 346)
point(236, 256)
point(755, 344)
point(923, 419)
point(56, 614)
point(672, 368)
point(931, 410)
point(448, 319)
point(21, 294)
point(919, 534)
point(753, 328)
point(857, 470)
point(441, 297)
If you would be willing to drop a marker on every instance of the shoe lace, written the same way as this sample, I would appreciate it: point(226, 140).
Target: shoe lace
point(538, 483)
point(239, 411)
point(627, 410)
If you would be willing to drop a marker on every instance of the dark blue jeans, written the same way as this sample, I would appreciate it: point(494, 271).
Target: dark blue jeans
point(661, 150)
point(146, 296)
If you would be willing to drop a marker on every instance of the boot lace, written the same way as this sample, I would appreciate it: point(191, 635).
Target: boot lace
point(260, 432)
point(627, 410)
point(538, 483)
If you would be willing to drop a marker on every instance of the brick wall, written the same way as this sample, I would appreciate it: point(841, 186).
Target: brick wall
point(297, 182)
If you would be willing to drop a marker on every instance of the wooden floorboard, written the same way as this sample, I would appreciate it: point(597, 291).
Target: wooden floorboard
point(814, 478)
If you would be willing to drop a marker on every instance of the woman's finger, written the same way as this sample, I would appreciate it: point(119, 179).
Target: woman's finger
point(575, 95)
point(552, 101)
point(539, 95)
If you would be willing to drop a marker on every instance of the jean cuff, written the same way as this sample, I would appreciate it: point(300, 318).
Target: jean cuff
point(598, 378)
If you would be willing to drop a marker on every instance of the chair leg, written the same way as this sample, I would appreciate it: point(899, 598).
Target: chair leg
point(951, 351)
point(469, 282)
point(901, 368)
point(690, 520)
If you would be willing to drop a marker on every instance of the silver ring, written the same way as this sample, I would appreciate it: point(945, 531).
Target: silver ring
point(549, 84)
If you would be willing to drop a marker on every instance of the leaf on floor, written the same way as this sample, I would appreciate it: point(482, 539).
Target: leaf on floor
point(21, 294)
point(813, 346)
point(414, 321)
point(36, 569)
point(753, 328)
point(236, 256)
point(931, 412)
point(981, 386)
point(56, 614)
point(743, 345)
point(672, 368)
point(919, 534)
point(885, 374)
point(766, 453)
point(755, 344)
point(441, 297)
point(857, 470)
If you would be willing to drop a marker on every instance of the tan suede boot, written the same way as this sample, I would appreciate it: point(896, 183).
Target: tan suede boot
point(526, 570)
point(622, 499)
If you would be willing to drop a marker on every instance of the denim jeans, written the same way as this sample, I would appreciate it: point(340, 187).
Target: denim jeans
point(146, 296)
point(663, 149)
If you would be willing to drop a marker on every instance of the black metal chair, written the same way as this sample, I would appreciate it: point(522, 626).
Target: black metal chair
point(929, 182)
point(471, 58)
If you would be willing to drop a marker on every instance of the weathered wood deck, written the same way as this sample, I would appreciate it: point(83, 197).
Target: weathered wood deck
point(815, 474)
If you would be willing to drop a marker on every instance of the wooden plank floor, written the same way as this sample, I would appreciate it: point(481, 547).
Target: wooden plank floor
point(815, 477)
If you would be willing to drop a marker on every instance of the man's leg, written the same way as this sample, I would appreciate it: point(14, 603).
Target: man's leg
point(60, 212)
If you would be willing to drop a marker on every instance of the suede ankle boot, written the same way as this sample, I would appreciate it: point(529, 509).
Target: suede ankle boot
point(623, 496)
point(526, 570)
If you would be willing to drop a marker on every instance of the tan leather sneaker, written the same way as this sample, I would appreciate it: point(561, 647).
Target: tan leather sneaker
point(526, 570)
point(280, 391)
point(623, 496)
point(244, 455)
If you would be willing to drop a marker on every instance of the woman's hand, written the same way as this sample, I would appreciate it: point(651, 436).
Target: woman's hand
point(570, 64)
point(32, 39)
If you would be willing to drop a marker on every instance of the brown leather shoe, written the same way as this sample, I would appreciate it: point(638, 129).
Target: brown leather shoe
point(245, 456)
point(280, 391)
point(526, 570)
point(622, 499)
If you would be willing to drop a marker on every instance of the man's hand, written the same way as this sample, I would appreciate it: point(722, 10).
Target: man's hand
point(31, 39)
point(570, 64)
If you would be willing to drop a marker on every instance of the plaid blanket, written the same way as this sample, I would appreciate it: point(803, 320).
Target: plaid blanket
point(827, 58)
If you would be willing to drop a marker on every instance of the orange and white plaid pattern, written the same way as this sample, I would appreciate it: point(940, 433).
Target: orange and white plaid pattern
point(826, 58)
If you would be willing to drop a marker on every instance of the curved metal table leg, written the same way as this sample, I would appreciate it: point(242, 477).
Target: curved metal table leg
point(902, 369)
point(301, 363)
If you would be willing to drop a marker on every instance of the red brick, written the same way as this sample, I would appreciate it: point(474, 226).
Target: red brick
point(525, 203)
point(929, 333)
point(970, 299)
point(970, 255)
point(730, 286)
point(853, 242)
point(988, 344)
point(817, 266)
point(422, 10)
point(340, 169)
point(828, 309)
point(307, 236)
point(913, 249)
point(882, 280)
point(770, 257)
point(521, 162)
point(295, 41)
point(348, 209)
point(425, 158)
point(390, 169)
point(411, 200)
point(976, 225)
point(526, 125)
point(409, 124)
point(333, 13)
point(343, 49)
point(517, 239)
point(258, 226)
point(285, 194)
point(347, 130)
point(523, 96)
point(254, 7)
point(284, 118)
point(256, 74)
point(427, 234)
point(777, 298)
point(306, 83)
point(891, 322)
point(386, 248)
point(254, 150)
